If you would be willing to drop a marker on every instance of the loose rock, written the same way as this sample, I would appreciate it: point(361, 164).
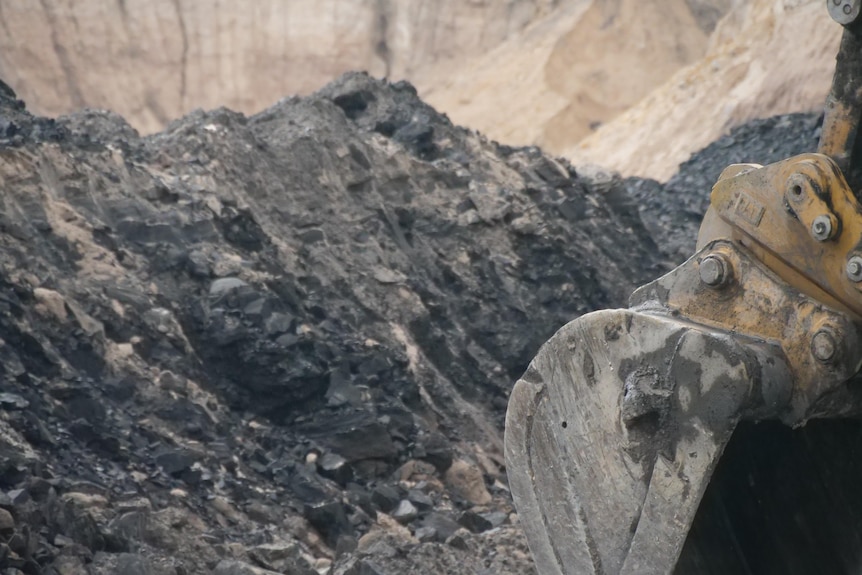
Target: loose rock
point(466, 480)
point(228, 567)
point(186, 316)
point(405, 512)
point(7, 522)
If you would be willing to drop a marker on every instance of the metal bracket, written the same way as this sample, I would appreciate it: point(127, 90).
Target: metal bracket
point(800, 218)
point(821, 346)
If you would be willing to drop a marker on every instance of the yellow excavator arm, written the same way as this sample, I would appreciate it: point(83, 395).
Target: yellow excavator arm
point(615, 429)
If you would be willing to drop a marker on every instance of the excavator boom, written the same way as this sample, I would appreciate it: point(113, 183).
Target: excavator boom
point(614, 431)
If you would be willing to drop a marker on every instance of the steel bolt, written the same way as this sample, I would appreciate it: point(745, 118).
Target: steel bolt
point(714, 271)
point(822, 228)
point(823, 345)
point(844, 12)
point(854, 269)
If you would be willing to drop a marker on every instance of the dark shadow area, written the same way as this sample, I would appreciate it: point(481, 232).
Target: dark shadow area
point(782, 501)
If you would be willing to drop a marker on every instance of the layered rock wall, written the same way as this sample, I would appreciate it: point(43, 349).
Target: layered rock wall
point(546, 72)
point(766, 57)
point(153, 61)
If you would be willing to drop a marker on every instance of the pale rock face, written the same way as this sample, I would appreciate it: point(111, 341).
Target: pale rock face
point(634, 85)
point(766, 57)
point(154, 60)
point(574, 69)
point(523, 71)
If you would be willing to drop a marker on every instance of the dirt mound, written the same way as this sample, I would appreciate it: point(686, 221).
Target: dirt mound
point(284, 341)
point(655, 80)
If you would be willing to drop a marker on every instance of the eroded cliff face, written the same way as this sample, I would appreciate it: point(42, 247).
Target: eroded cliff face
point(766, 57)
point(154, 60)
point(634, 85)
point(576, 69)
point(541, 72)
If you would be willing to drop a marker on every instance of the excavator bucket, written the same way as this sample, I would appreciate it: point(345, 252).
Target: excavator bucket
point(615, 429)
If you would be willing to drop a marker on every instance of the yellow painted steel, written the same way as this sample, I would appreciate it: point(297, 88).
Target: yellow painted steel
point(775, 212)
point(756, 303)
point(838, 131)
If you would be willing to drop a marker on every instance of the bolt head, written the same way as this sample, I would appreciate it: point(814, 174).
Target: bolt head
point(854, 269)
point(823, 345)
point(844, 12)
point(822, 228)
point(714, 271)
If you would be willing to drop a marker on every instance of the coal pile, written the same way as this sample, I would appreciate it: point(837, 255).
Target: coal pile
point(672, 211)
point(284, 343)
